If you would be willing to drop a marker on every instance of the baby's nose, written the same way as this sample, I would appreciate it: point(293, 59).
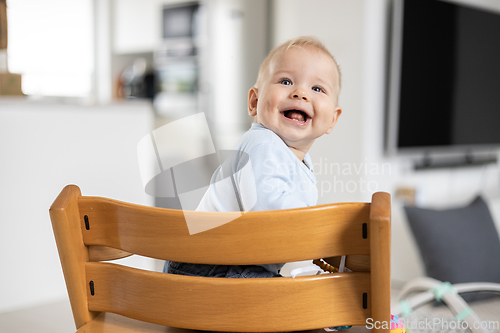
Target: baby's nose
point(300, 94)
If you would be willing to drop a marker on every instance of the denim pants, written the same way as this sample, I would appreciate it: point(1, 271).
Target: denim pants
point(224, 271)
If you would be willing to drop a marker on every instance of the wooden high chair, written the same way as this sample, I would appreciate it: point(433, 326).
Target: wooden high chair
point(105, 296)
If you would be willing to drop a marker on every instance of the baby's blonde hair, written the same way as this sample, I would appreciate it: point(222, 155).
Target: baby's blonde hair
point(303, 42)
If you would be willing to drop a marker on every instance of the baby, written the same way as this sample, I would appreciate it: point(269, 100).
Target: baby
point(293, 102)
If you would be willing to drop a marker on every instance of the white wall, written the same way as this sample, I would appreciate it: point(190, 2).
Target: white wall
point(43, 147)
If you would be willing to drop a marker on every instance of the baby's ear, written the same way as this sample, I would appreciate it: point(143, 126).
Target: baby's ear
point(252, 101)
point(336, 116)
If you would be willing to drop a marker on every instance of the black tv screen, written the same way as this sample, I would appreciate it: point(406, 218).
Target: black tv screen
point(179, 20)
point(445, 89)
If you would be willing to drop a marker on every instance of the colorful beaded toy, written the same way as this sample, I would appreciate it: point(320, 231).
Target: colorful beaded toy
point(325, 266)
point(397, 325)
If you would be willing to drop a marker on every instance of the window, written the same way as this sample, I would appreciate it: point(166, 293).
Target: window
point(50, 44)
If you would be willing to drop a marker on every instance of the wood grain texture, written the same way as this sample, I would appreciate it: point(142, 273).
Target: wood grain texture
point(254, 238)
point(72, 251)
point(380, 249)
point(104, 253)
point(113, 323)
point(3, 25)
point(356, 263)
point(218, 304)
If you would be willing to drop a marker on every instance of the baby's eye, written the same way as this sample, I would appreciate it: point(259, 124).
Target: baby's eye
point(286, 82)
point(318, 89)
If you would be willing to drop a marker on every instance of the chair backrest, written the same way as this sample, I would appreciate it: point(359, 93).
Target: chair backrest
point(93, 229)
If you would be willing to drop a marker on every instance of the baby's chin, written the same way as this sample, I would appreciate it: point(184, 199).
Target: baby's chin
point(291, 137)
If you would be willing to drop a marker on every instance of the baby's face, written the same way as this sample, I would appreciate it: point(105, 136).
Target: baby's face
point(297, 99)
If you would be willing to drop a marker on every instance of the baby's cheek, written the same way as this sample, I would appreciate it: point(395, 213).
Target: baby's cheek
point(272, 103)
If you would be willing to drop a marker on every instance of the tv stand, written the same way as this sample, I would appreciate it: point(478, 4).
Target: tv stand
point(441, 162)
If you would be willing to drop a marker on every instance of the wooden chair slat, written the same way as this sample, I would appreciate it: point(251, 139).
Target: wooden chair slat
point(380, 259)
point(72, 251)
point(113, 323)
point(315, 232)
point(104, 253)
point(218, 304)
point(356, 263)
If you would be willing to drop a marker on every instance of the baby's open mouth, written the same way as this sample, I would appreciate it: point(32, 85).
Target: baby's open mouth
point(297, 115)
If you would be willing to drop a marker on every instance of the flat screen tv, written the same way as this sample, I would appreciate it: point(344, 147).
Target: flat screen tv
point(444, 91)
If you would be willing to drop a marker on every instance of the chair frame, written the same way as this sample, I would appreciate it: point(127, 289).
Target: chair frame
point(93, 229)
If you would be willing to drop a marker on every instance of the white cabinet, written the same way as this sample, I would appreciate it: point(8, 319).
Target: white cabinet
point(137, 25)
